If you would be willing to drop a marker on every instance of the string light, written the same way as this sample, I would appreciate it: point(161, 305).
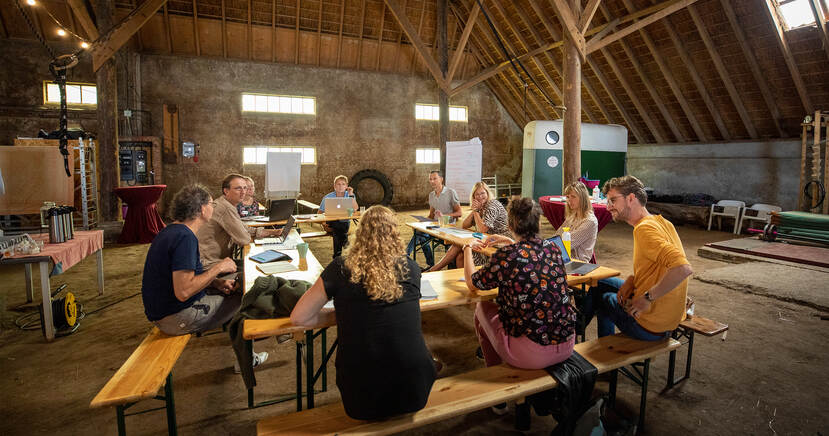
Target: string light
point(31, 2)
point(84, 44)
point(61, 32)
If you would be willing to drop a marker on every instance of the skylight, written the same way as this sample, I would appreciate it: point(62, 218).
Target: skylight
point(796, 13)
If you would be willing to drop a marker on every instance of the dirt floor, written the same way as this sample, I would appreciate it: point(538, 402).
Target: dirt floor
point(767, 377)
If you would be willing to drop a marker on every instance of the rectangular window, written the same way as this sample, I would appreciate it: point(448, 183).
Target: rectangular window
point(432, 112)
point(427, 156)
point(76, 93)
point(280, 104)
point(259, 155)
point(797, 13)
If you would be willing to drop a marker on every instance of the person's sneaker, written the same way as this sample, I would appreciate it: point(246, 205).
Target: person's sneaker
point(258, 359)
point(500, 409)
point(281, 339)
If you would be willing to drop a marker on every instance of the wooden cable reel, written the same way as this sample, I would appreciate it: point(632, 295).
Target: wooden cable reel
point(64, 313)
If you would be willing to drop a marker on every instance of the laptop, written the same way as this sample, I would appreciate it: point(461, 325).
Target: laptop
point(572, 266)
point(338, 206)
point(279, 210)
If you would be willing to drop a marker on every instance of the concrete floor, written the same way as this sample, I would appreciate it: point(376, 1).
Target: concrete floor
point(767, 377)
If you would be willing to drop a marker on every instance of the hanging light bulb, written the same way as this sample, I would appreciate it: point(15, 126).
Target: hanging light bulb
point(84, 44)
point(31, 2)
point(61, 32)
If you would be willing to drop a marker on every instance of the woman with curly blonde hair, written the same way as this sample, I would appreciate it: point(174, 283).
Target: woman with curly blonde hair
point(383, 365)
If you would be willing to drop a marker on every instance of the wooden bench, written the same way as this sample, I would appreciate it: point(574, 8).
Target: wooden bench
point(475, 390)
point(141, 376)
point(687, 329)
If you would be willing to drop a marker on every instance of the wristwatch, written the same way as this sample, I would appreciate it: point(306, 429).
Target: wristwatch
point(649, 297)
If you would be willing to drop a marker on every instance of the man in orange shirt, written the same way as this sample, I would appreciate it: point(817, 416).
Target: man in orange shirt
point(650, 303)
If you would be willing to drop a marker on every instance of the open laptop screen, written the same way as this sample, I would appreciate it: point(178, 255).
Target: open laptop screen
point(560, 244)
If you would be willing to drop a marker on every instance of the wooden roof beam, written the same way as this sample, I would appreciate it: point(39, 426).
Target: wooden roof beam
point(297, 38)
point(656, 16)
point(196, 28)
point(379, 38)
point(340, 41)
point(820, 21)
point(82, 14)
point(789, 58)
point(422, 51)
point(723, 72)
point(628, 119)
point(759, 78)
point(467, 30)
point(273, 34)
point(571, 26)
point(657, 98)
point(106, 45)
point(587, 15)
point(224, 31)
point(695, 77)
point(505, 98)
point(419, 30)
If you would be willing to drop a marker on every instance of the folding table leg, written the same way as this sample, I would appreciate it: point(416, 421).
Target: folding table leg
point(171, 406)
point(30, 294)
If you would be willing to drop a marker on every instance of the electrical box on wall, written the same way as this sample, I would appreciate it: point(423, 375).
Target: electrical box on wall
point(134, 162)
point(188, 149)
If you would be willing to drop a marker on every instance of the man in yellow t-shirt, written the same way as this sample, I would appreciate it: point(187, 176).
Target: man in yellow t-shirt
point(651, 302)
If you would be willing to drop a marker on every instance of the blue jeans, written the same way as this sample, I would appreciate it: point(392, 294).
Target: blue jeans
point(422, 240)
point(603, 302)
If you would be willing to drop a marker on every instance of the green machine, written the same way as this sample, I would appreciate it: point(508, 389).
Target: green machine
point(603, 153)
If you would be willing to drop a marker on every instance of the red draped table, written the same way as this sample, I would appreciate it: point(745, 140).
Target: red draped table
point(142, 222)
point(553, 209)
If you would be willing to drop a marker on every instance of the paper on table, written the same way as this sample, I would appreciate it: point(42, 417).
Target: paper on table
point(421, 218)
point(427, 292)
point(276, 267)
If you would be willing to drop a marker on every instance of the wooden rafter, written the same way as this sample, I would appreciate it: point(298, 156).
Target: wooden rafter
point(655, 95)
point(820, 21)
point(380, 36)
point(67, 9)
point(467, 30)
point(587, 15)
point(360, 41)
point(319, 34)
point(419, 30)
point(433, 67)
point(340, 40)
point(637, 103)
point(525, 47)
point(613, 96)
point(759, 77)
point(789, 58)
point(106, 45)
point(695, 77)
point(167, 30)
point(296, 33)
point(273, 33)
point(399, 41)
point(497, 87)
point(82, 14)
point(250, 31)
point(723, 72)
point(656, 16)
point(224, 31)
point(672, 83)
point(570, 24)
point(196, 28)
point(5, 30)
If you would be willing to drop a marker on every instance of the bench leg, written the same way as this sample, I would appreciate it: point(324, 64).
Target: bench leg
point(171, 407)
point(672, 380)
point(671, 365)
point(690, 353)
point(323, 346)
point(299, 376)
point(643, 401)
point(522, 415)
point(309, 367)
point(122, 424)
point(614, 379)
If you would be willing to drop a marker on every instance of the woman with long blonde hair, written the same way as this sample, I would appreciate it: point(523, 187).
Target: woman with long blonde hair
point(383, 365)
point(581, 220)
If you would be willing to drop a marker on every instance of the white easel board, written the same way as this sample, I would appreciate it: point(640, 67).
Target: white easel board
point(463, 166)
point(282, 174)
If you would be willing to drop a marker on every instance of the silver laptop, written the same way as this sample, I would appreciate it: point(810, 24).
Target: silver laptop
point(572, 266)
point(338, 206)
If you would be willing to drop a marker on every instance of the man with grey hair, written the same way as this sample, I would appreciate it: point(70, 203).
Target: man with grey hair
point(650, 303)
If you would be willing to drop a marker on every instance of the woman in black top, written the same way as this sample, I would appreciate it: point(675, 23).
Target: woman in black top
point(383, 365)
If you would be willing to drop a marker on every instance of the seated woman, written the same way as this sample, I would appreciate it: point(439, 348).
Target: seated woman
point(383, 365)
point(339, 229)
point(581, 220)
point(531, 324)
point(174, 282)
point(248, 206)
point(488, 216)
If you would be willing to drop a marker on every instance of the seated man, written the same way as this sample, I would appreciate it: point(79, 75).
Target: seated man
point(442, 201)
point(339, 229)
point(174, 282)
point(225, 227)
point(650, 303)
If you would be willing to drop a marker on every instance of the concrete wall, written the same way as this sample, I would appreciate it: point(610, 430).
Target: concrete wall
point(754, 172)
point(25, 65)
point(364, 120)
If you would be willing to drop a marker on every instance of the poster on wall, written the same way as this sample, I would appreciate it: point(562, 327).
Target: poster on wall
point(463, 166)
point(282, 174)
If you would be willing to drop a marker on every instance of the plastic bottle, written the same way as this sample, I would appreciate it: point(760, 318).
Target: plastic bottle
point(595, 194)
point(565, 237)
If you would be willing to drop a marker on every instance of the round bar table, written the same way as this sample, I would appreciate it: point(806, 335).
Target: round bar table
point(142, 222)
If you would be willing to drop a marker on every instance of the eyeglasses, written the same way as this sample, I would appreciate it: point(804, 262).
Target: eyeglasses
point(613, 199)
point(213, 203)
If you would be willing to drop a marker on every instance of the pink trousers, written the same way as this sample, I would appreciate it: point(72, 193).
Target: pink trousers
point(521, 352)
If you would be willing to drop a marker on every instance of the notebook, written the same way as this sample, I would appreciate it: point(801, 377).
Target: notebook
point(276, 267)
point(268, 256)
point(338, 206)
point(572, 266)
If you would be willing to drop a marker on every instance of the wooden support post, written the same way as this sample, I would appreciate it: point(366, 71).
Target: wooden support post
point(107, 87)
point(571, 159)
point(804, 133)
point(817, 127)
point(443, 64)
